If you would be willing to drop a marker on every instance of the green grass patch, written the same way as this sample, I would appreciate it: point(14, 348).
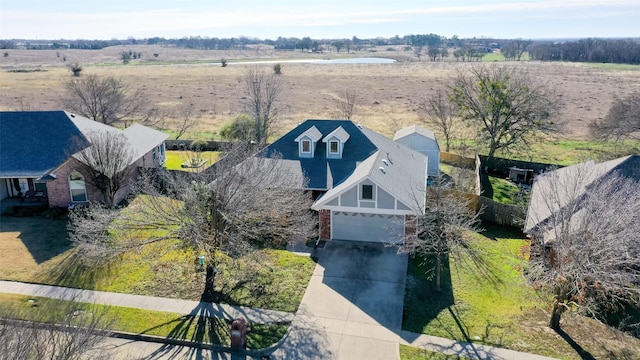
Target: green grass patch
point(504, 191)
point(487, 300)
point(175, 159)
point(267, 278)
point(561, 151)
point(412, 353)
point(163, 324)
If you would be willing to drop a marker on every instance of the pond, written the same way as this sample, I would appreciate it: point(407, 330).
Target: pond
point(363, 60)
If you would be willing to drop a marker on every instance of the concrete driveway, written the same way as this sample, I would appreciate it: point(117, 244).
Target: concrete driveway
point(352, 308)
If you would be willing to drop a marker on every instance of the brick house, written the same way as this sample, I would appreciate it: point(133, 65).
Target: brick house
point(39, 162)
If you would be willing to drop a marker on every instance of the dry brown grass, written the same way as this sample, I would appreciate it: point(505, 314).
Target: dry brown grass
point(388, 93)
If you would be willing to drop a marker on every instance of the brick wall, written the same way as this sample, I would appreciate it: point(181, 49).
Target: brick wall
point(409, 226)
point(58, 189)
point(325, 224)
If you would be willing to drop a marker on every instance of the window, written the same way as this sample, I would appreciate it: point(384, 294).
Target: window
point(333, 147)
point(77, 187)
point(367, 192)
point(306, 146)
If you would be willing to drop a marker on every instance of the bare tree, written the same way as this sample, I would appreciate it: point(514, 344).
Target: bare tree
point(262, 97)
point(440, 228)
point(186, 120)
point(106, 100)
point(433, 52)
point(622, 120)
point(506, 103)
point(347, 104)
point(438, 112)
point(107, 161)
point(69, 332)
point(585, 227)
point(241, 201)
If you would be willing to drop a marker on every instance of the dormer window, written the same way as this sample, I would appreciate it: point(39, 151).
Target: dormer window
point(306, 146)
point(307, 142)
point(335, 142)
point(334, 147)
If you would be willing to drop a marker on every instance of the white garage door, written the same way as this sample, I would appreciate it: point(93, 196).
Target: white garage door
point(367, 227)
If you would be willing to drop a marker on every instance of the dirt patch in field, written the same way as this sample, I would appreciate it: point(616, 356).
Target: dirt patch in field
point(389, 94)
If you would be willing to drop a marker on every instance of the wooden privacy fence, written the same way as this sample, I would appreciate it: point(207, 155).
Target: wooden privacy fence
point(499, 213)
point(457, 160)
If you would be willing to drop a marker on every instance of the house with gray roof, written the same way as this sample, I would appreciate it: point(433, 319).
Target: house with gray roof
point(39, 156)
point(366, 186)
point(562, 189)
point(423, 141)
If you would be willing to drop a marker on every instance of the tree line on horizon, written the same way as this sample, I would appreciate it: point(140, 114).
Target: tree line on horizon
point(601, 50)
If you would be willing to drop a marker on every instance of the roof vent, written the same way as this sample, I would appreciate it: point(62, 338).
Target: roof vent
point(359, 126)
point(385, 162)
point(382, 170)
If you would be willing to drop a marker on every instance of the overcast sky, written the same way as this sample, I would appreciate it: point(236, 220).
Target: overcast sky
point(108, 19)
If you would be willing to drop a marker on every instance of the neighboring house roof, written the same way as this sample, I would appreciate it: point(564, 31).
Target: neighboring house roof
point(33, 143)
point(141, 139)
point(323, 173)
point(580, 176)
point(414, 129)
point(394, 167)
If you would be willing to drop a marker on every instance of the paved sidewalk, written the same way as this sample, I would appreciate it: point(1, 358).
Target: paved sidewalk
point(185, 307)
point(464, 349)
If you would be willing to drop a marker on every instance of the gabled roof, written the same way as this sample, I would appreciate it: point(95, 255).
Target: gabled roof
point(397, 169)
point(313, 133)
point(404, 173)
point(141, 139)
point(323, 173)
point(33, 143)
point(340, 133)
point(414, 129)
point(580, 177)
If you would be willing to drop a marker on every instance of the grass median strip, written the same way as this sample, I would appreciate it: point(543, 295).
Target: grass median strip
point(156, 323)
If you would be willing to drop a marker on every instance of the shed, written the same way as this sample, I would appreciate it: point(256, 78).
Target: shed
point(424, 141)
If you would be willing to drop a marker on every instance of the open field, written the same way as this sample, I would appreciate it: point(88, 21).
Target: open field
point(389, 94)
point(487, 300)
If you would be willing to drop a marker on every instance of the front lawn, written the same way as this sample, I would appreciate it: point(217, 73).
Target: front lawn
point(36, 249)
point(487, 300)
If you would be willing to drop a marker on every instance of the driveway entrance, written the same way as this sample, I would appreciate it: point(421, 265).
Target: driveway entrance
point(352, 308)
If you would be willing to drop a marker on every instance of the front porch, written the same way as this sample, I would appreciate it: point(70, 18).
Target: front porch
point(9, 202)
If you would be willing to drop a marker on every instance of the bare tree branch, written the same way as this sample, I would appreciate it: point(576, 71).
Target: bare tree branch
point(507, 104)
point(440, 228)
point(347, 104)
point(106, 100)
point(261, 102)
point(622, 120)
point(586, 228)
point(438, 112)
point(107, 162)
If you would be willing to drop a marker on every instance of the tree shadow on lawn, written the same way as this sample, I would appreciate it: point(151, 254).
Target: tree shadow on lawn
point(422, 302)
point(72, 272)
point(44, 238)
